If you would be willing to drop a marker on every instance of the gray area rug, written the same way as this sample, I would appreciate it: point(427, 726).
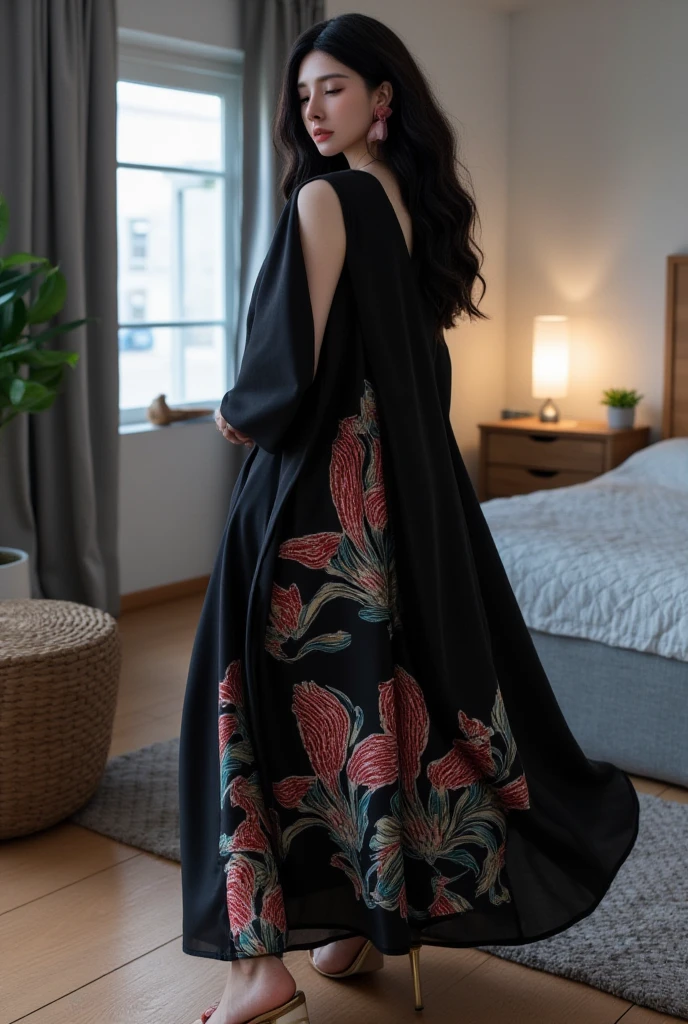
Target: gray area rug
point(634, 945)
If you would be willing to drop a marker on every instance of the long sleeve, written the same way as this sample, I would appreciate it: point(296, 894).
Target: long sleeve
point(278, 362)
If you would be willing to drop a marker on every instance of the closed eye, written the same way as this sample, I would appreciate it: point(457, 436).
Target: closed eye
point(328, 92)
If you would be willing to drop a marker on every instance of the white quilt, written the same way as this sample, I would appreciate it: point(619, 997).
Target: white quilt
point(606, 560)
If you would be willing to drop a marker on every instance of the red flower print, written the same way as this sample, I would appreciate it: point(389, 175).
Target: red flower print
point(337, 861)
point(243, 794)
point(374, 498)
point(446, 902)
point(514, 796)
point(273, 911)
point(314, 551)
point(374, 762)
point(324, 727)
point(376, 507)
point(403, 714)
point(227, 725)
point(248, 836)
point(291, 791)
point(345, 480)
point(285, 609)
point(440, 904)
point(372, 579)
point(241, 879)
point(477, 746)
point(403, 901)
point(230, 686)
point(453, 771)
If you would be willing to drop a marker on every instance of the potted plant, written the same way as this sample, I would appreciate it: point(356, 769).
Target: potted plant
point(620, 406)
point(30, 373)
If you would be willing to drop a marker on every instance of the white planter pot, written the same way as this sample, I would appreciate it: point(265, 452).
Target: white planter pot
point(620, 417)
point(15, 580)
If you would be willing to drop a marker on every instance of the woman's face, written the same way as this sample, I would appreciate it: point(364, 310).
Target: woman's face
point(334, 98)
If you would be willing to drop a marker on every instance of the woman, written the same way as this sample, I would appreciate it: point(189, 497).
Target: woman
point(371, 756)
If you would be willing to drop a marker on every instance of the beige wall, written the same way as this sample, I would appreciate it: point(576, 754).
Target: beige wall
point(202, 21)
point(598, 166)
point(463, 50)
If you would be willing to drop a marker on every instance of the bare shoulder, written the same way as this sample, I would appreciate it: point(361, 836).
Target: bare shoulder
point(320, 214)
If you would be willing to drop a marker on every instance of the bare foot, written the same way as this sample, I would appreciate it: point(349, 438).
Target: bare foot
point(337, 956)
point(255, 985)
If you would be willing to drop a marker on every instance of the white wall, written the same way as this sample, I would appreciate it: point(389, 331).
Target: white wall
point(598, 166)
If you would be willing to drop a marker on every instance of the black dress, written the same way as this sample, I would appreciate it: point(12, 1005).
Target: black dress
point(369, 743)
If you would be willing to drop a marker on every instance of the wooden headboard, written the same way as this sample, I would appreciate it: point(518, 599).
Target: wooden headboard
point(675, 411)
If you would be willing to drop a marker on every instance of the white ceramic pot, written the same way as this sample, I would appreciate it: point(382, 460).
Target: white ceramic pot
point(15, 580)
point(618, 416)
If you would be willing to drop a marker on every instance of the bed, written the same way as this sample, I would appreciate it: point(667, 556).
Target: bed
point(600, 570)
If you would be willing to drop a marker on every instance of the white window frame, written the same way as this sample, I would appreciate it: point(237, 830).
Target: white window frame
point(175, 63)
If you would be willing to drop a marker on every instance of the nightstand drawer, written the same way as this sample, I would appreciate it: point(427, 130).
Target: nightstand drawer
point(503, 481)
point(547, 451)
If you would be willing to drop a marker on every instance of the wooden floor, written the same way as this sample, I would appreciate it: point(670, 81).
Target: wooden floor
point(90, 928)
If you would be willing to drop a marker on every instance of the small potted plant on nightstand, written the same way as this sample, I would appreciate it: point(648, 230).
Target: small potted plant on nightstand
point(30, 374)
point(620, 406)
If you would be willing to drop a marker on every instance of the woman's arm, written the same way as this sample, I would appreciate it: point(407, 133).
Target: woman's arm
point(286, 320)
point(323, 242)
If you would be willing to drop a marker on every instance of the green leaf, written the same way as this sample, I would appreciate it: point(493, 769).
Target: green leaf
point(12, 322)
point(50, 299)
point(19, 259)
point(17, 388)
point(17, 350)
point(61, 328)
point(13, 285)
point(30, 396)
point(50, 376)
point(4, 218)
point(50, 357)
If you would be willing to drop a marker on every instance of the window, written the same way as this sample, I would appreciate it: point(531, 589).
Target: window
point(178, 107)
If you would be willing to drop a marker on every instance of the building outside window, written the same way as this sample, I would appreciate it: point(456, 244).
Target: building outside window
point(138, 243)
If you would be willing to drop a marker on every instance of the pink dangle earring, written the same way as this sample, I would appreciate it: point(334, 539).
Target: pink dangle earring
point(378, 129)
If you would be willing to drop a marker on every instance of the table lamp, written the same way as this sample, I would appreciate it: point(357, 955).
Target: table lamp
point(550, 363)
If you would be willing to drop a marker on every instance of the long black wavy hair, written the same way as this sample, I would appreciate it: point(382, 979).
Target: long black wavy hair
point(420, 148)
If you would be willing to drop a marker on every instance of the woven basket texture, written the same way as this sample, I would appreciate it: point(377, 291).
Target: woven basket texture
point(60, 664)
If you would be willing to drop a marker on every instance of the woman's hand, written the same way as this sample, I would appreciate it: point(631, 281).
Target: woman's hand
point(235, 436)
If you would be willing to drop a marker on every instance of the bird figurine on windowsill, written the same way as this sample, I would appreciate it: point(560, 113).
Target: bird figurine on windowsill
point(159, 413)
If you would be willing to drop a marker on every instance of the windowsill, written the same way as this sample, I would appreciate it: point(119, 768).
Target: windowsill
point(145, 425)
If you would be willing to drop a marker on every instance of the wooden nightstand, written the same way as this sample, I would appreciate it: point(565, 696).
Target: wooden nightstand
point(522, 455)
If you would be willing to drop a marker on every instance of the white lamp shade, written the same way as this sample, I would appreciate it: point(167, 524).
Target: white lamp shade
point(550, 356)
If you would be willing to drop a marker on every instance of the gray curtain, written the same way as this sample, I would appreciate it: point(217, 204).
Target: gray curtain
point(59, 469)
point(268, 29)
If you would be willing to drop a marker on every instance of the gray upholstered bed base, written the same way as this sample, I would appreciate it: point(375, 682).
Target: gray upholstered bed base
point(622, 706)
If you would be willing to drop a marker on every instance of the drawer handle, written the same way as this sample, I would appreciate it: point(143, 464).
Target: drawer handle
point(543, 472)
point(543, 437)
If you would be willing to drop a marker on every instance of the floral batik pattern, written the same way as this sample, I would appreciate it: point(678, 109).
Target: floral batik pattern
point(442, 819)
point(360, 557)
point(465, 835)
point(255, 903)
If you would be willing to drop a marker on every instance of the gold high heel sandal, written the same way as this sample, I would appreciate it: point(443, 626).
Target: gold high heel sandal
point(371, 959)
point(367, 960)
point(293, 1012)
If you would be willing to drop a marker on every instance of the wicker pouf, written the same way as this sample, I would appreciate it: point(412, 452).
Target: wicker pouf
point(59, 674)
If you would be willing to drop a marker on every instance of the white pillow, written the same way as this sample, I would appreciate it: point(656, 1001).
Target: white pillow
point(664, 463)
